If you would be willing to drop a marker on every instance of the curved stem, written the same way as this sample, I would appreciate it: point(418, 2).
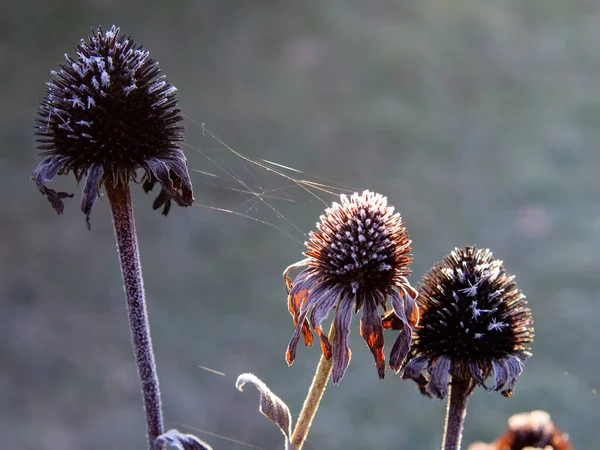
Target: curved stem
point(125, 234)
point(456, 412)
point(313, 399)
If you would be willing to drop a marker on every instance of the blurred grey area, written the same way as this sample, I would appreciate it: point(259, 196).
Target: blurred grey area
point(479, 119)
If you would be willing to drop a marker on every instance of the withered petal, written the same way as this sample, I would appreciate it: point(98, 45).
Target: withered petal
point(341, 350)
point(500, 375)
point(91, 191)
point(302, 325)
point(478, 373)
point(514, 367)
point(173, 176)
point(298, 294)
point(46, 170)
point(409, 295)
point(401, 346)
point(439, 377)
point(372, 332)
point(326, 303)
point(415, 367)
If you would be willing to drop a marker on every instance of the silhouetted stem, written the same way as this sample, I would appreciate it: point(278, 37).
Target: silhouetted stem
point(313, 399)
point(456, 412)
point(124, 225)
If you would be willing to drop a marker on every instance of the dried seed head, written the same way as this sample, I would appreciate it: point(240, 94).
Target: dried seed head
point(474, 321)
point(532, 430)
point(357, 258)
point(108, 112)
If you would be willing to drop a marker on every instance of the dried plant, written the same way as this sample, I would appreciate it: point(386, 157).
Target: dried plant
point(108, 113)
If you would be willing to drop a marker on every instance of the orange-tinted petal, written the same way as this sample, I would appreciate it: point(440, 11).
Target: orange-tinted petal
point(372, 332)
point(302, 326)
point(340, 348)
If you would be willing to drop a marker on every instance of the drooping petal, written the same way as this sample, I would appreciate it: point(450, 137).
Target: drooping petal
point(439, 377)
point(298, 293)
point(401, 346)
point(415, 367)
point(414, 370)
point(514, 367)
point(46, 171)
point(372, 332)
point(409, 295)
point(91, 190)
point(476, 371)
point(500, 375)
point(341, 350)
point(326, 303)
point(173, 176)
point(302, 325)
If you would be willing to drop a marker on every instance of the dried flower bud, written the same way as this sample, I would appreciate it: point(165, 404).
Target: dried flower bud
point(357, 259)
point(108, 113)
point(474, 322)
point(533, 430)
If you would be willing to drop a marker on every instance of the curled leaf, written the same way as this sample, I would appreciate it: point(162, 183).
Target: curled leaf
point(182, 441)
point(271, 406)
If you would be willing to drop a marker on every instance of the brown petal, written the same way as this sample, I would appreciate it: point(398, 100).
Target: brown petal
point(372, 332)
point(341, 351)
point(302, 325)
point(319, 313)
point(409, 295)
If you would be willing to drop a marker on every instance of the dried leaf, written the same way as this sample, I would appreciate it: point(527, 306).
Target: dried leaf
point(271, 406)
point(182, 441)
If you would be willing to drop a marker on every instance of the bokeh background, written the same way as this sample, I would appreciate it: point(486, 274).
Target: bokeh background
point(480, 120)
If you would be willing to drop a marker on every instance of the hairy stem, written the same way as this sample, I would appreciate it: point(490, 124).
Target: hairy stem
point(313, 399)
point(456, 412)
point(124, 225)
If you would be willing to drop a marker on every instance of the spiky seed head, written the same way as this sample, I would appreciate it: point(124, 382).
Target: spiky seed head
point(357, 258)
point(474, 322)
point(107, 113)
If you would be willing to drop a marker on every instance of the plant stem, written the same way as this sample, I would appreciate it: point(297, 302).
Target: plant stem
point(313, 399)
point(456, 412)
point(125, 234)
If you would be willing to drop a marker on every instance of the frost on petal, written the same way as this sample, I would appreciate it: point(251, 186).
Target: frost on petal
point(439, 377)
point(372, 332)
point(271, 406)
point(341, 350)
point(182, 441)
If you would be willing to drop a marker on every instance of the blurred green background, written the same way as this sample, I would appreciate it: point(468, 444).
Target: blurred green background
point(480, 120)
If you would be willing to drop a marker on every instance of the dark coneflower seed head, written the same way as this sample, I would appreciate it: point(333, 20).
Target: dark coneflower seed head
point(108, 112)
point(533, 430)
point(474, 321)
point(358, 257)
